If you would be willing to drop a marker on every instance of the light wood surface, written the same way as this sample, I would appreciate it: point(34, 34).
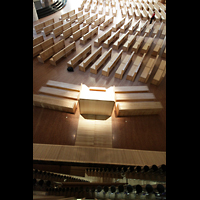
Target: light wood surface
point(55, 103)
point(67, 14)
point(96, 102)
point(111, 39)
point(58, 30)
point(138, 43)
point(142, 27)
point(39, 27)
point(63, 85)
point(89, 35)
point(134, 97)
point(63, 53)
point(38, 40)
point(118, 25)
point(106, 23)
point(82, 18)
point(81, 56)
point(160, 73)
point(98, 21)
point(99, 40)
point(134, 26)
point(149, 28)
point(79, 33)
point(90, 59)
point(83, 154)
point(157, 28)
point(126, 25)
point(68, 32)
point(148, 44)
point(95, 67)
point(91, 19)
point(59, 92)
point(112, 63)
point(127, 89)
point(120, 41)
point(124, 66)
point(148, 69)
point(42, 46)
point(48, 29)
point(163, 33)
point(158, 47)
point(129, 42)
point(93, 131)
point(138, 108)
point(135, 68)
point(47, 53)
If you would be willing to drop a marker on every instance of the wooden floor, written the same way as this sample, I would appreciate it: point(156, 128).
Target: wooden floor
point(59, 128)
point(94, 132)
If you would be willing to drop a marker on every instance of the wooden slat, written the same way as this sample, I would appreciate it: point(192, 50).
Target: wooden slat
point(134, 96)
point(125, 89)
point(59, 92)
point(67, 105)
point(62, 85)
point(94, 132)
point(138, 108)
point(97, 155)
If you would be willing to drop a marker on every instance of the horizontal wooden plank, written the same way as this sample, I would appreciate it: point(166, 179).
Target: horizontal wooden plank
point(122, 89)
point(67, 105)
point(135, 96)
point(98, 155)
point(63, 85)
point(138, 108)
point(59, 92)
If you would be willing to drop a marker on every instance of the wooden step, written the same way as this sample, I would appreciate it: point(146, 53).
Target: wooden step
point(64, 86)
point(59, 92)
point(55, 103)
point(134, 96)
point(127, 89)
point(138, 108)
